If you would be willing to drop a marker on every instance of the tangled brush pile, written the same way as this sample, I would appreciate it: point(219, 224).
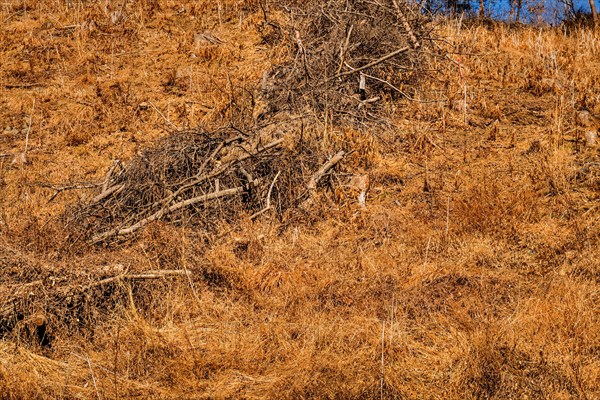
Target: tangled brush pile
point(346, 56)
point(204, 178)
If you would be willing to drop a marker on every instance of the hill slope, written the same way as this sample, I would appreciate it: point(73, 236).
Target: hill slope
point(472, 272)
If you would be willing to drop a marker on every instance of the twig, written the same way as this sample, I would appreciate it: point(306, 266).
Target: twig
point(363, 103)
point(152, 274)
point(26, 288)
point(372, 64)
point(60, 189)
point(115, 164)
point(344, 48)
point(219, 10)
point(268, 206)
point(29, 127)
point(93, 377)
point(401, 92)
point(21, 85)
point(271, 189)
point(362, 87)
point(162, 115)
point(246, 174)
point(198, 178)
point(112, 190)
point(209, 159)
point(163, 211)
point(409, 30)
point(314, 180)
point(302, 50)
point(165, 208)
point(264, 8)
point(426, 254)
point(317, 176)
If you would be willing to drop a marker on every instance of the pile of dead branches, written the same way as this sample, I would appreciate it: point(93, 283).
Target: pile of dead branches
point(39, 299)
point(347, 56)
point(203, 178)
point(195, 178)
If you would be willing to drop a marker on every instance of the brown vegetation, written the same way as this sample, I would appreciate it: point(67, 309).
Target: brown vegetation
point(472, 272)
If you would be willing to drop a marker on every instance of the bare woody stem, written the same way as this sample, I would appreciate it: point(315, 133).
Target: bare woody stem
point(372, 64)
point(407, 27)
point(163, 211)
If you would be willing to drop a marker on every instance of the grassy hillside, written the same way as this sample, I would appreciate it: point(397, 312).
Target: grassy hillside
point(472, 272)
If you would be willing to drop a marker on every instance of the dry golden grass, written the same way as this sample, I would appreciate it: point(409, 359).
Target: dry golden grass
point(473, 272)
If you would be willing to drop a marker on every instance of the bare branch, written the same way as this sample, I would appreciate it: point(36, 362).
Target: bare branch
point(164, 211)
point(312, 184)
point(374, 63)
